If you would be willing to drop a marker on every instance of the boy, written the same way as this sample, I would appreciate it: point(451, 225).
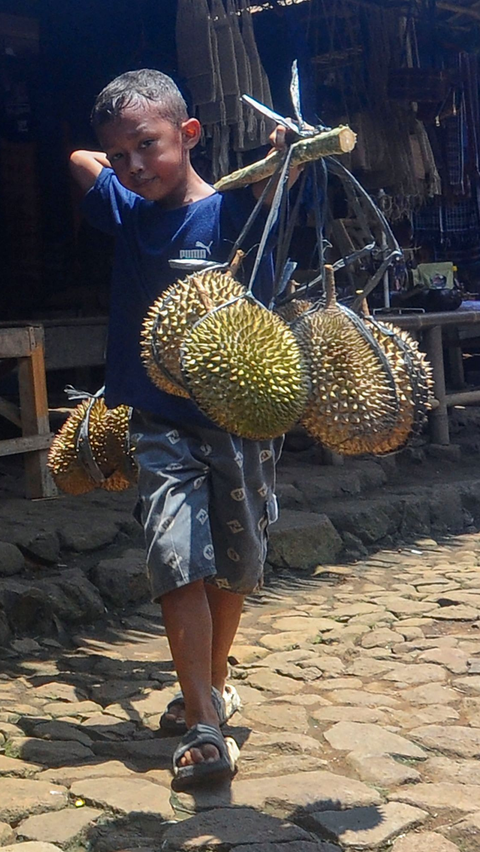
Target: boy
point(205, 497)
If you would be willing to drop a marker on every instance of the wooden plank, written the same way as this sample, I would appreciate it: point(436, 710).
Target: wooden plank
point(34, 416)
point(16, 342)
point(32, 444)
point(10, 411)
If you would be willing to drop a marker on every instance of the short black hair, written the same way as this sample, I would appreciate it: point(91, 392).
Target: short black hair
point(134, 86)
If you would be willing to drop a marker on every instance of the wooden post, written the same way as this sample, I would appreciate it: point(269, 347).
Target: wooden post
point(26, 346)
point(438, 416)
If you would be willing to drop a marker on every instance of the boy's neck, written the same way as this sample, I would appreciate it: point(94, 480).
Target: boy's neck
point(194, 189)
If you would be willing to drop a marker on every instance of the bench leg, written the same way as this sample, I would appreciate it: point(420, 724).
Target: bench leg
point(34, 419)
point(438, 418)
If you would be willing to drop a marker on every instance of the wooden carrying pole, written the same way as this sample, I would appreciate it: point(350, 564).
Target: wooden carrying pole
point(340, 140)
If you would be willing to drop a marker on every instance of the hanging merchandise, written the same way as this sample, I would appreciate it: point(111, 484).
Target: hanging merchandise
point(247, 119)
point(92, 449)
point(260, 84)
point(256, 371)
point(173, 315)
point(196, 61)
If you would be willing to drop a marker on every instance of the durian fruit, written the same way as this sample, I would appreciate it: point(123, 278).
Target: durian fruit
point(64, 462)
point(244, 369)
point(413, 378)
point(354, 396)
point(172, 316)
point(89, 451)
point(118, 450)
point(289, 311)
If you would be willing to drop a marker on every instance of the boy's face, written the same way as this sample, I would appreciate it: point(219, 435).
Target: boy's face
point(148, 153)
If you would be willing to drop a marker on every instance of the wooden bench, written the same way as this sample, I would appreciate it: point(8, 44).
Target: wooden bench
point(430, 328)
point(25, 347)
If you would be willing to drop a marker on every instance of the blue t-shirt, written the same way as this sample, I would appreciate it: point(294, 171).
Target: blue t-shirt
point(146, 238)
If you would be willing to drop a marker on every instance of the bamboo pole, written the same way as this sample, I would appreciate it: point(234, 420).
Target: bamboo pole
point(340, 140)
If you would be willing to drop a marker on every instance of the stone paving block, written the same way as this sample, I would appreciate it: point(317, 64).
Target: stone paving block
point(415, 673)
point(459, 771)
point(66, 775)
point(382, 770)
point(18, 768)
point(277, 715)
point(49, 752)
point(468, 683)
point(31, 846)
point(425, 841)
point(368, 828)
point(370, 739)
point(455, 740)
point(442, 795)
point(22, 797)
point(430, 693)
point(294, 846)
point(156, 753)
point(349, 714)
point(310, 627)
point(272, 682)
point(462, 612)
point(62, 828)
point(58, 691)
point(361, 698)
point(228, 826)
point(72, 708)
point(301, 792)
point(59, 730)
point(7, 834)
point(124, 795)
point(465, 832)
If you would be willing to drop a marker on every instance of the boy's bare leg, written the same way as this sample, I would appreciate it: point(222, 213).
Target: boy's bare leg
point(226, 609)
point(188, 623)
point(201, 622)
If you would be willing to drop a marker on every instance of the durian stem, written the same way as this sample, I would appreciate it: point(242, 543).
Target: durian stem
point(330, 293)
point(339, 140)
point(237, 260)
point(204, 297)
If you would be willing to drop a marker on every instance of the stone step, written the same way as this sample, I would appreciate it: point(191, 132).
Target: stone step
point(308, 535)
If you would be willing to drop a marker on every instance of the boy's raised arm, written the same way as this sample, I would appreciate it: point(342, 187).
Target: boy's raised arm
point(85, 167)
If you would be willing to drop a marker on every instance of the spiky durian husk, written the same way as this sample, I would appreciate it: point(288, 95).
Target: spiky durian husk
point(173, 315)
point(413, 378)
point(244, 369)
point(118, 450)
point(293, 309)
point(63, 459)
point(353, 397)
point(107, 434)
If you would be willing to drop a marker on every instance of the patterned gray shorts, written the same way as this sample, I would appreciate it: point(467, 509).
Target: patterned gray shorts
point(206, 498)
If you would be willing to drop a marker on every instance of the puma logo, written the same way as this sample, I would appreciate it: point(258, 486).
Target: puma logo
point(201, 245)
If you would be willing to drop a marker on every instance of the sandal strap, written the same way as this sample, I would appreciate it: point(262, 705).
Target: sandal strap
point(198, 735)
point(177, 700)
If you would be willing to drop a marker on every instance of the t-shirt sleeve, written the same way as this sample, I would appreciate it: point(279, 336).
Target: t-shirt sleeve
point(108, 204)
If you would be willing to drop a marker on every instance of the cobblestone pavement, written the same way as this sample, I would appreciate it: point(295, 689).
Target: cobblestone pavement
point(360, 727)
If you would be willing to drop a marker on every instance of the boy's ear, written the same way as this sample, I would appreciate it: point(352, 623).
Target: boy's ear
point(191, 130)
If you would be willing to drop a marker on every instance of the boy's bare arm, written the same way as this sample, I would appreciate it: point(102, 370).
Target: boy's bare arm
point(85, 167)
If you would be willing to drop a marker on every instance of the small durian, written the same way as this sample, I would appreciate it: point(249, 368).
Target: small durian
point(173, 315)
point(64, 463)
point(244, 369)
point(413, 378)
point(105, 462)
point(353, 396)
